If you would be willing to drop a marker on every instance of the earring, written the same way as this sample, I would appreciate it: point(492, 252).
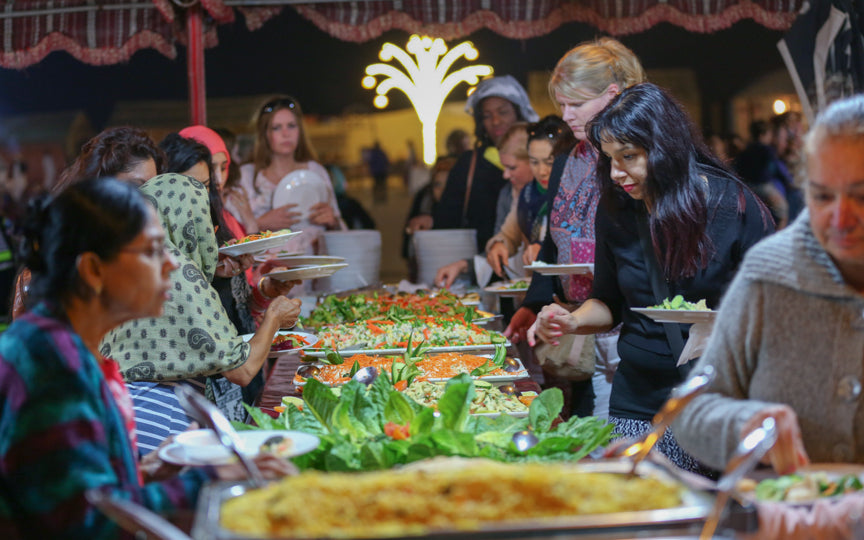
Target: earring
point(98, 289)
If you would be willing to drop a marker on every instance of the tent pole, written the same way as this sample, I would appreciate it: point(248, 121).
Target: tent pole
point(195, 66)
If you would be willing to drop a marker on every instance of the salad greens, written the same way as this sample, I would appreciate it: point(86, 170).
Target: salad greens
point(400, 307)
point(378, 427)
point(678, 302)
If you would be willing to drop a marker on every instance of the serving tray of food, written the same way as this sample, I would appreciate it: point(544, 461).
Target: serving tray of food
point(508, 501)
point(434, 367)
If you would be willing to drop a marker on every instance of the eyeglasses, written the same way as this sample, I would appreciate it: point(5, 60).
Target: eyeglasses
point(271, 106)
point(154, 251)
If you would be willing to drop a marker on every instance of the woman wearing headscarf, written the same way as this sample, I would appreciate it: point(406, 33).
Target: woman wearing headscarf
point(194, 338)
point(471, 195)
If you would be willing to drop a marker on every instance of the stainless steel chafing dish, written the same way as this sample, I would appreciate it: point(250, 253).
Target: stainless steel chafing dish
point(683, 519)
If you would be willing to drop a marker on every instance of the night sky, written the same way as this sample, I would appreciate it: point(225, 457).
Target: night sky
point(291, 55)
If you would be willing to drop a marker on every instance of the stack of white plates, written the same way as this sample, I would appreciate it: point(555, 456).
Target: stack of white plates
point(441, 247)
point(361, 249)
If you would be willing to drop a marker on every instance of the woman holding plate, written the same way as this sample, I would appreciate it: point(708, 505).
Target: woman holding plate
point(657, 178)
point(194, 338)
point(281, 148)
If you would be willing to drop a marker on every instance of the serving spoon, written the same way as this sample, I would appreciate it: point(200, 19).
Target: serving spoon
point(367, 375)
point(749, 452)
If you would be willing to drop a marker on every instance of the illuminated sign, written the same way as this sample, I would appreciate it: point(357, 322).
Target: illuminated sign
point(425, 81)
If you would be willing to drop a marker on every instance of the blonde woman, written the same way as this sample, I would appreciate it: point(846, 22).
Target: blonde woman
point(282, 147)
point(583, 82)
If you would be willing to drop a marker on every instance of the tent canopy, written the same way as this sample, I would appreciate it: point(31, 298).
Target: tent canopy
point(103, 32)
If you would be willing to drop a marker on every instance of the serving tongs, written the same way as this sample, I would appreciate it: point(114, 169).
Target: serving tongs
point(680, 397)
point(207, 414)
point(747, 455)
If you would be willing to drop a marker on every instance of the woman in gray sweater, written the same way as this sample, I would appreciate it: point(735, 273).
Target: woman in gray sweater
point(789, 339)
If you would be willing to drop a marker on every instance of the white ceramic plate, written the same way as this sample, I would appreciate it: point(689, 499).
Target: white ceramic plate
point(682, 316)
point(502, 289)
point(293, 261)
point(180, 454)
point(561, 269)
point(832, 470)
point(307, 338)
point(307, 272)
point(264, 257)
point(257, 246)
point(303, 188)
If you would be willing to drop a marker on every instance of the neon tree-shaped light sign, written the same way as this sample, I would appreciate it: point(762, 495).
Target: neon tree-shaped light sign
point(426, 81)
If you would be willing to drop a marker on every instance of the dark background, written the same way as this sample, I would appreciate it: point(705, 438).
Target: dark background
point(289, 54)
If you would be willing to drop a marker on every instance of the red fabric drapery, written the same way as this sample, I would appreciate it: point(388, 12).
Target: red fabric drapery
point(520, 19)
point(111, 31)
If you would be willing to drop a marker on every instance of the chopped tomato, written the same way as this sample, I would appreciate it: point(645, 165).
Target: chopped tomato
point(397, 432)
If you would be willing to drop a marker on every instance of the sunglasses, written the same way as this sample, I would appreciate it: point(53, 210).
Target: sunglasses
point(278, 103)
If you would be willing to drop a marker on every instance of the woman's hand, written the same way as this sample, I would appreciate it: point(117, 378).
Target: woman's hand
point(423, 222)
point(271, 467)
point(519, 324)
point(231, 266)
point(788, 452)
point(271, 288)
point(322, 214)
point(552, 322)
point(446, 275)
point(497, 257)
point(283, 217)
point(530, 254)
point(285, 311)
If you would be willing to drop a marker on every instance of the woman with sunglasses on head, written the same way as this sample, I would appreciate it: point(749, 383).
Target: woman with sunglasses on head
point(671, 217)
point(194, 338)
point(97, 255)
point(282, 147)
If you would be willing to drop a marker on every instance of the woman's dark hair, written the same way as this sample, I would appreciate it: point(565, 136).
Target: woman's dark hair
point(181, 154)
point(554, 130)
point(480, 136)
point(645, 116)
point(111, 152)
point(98, 215)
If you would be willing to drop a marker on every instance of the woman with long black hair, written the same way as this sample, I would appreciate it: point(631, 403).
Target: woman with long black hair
point(671, 220)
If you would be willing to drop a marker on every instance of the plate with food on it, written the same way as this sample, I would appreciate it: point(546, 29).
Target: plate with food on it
point(306, 272)
point(807, 485)
point(547, 269)
point(258, 243)
point(516, 287)
point(200, 447)
point(288, 341)
point(678, 310)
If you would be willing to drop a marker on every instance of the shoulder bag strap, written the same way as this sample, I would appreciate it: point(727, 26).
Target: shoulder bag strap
point(658, 284)
point(469, 182)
